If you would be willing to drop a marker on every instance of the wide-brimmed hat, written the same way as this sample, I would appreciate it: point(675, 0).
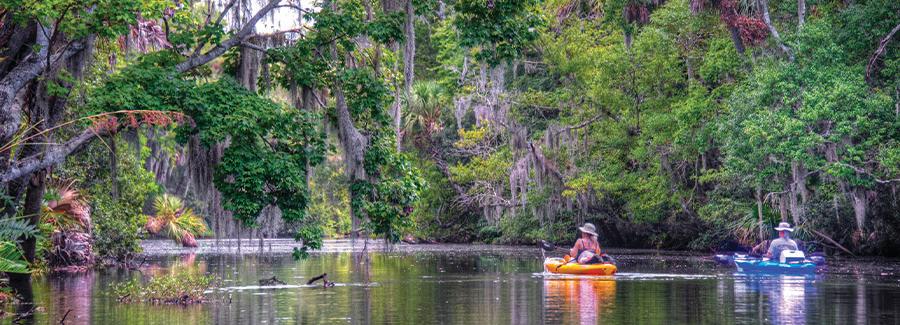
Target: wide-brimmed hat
point(784, 226)
point(588, 228)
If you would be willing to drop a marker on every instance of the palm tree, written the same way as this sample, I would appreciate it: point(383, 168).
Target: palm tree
point(177, 221)
point(64, 208)
point(423, 118)
point(69, 217)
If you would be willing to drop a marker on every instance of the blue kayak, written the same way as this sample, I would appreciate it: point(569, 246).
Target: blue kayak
point(758, 266)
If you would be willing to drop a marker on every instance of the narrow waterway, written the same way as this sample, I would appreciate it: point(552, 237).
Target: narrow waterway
point(472, 284)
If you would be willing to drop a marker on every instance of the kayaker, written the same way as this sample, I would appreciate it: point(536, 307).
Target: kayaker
point(783, 242)
point(587, 248)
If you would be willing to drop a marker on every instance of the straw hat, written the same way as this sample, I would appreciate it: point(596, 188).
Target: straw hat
point(588, 228)
point(784, 226)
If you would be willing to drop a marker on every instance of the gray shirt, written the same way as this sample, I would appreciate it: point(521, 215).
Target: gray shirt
point(780, 244)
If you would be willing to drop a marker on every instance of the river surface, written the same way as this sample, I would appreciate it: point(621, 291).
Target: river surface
point(471, 284)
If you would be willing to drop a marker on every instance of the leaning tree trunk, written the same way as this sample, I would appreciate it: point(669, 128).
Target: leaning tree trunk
point(353, 142)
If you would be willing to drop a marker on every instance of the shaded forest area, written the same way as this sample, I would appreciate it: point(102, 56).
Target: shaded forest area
point(669, 124)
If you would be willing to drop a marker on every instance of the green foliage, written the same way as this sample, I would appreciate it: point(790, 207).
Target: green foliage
point(116, 221)
point(270, 146)
point(297, 65)
point(497, 30)
point(78, 18)
point(176, 220)
point(11, 229)
point(11, 259)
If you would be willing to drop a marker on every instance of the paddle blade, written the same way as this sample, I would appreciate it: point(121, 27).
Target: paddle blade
point(546, 245)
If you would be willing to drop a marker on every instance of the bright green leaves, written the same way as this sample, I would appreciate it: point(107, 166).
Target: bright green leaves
point(297, 65)
point(78, 18)
point(269, 149)
point(311, 237)
point(389, 201)
point(366, 98)
point(499, 30)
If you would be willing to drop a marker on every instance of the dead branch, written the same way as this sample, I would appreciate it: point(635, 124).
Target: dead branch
point(240, 36)
point(872, 67)
point(832, 241)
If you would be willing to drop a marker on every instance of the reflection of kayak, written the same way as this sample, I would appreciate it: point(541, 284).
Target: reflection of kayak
point(559, 266)
point(773, 267)
point(578, 300)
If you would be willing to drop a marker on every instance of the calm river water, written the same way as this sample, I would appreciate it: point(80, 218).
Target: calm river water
point(472, 284)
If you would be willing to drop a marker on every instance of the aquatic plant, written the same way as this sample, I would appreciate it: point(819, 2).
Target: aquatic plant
point(177, 221)
point(181, 289)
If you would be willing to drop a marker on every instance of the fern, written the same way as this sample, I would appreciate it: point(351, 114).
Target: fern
point(11, 259)
point(11, 229)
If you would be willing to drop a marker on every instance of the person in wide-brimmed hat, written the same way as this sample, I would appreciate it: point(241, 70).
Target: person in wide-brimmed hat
point(587, 248)
point(783, 242)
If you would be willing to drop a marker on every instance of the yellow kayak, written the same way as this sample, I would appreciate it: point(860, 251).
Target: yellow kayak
point(559, 266)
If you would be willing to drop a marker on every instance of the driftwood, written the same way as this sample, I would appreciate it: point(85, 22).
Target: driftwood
point(271, 281)
point(324, 278)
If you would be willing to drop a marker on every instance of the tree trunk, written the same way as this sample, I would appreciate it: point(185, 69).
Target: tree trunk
point(113, 167)
point(409, 58)
point(764, 7)
point(736, 39)
point(860, 204)
point(801, 13)
point(759, 211)
point(354, 143)
point(798, 186)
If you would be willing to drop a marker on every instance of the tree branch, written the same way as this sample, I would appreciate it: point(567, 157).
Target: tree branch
point(872, 67)
point(764, 7)
point(30, 68)
point(52, 156)
point(863, 171)
point(238, 38)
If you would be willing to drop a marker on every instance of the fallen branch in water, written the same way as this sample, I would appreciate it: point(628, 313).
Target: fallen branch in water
point(271, 281)
point(832, 241)
point(63, 320)
point(324, 278)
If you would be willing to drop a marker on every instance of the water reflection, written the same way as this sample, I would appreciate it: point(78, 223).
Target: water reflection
point(578, 300)
point(476, 286)
point(784, 297)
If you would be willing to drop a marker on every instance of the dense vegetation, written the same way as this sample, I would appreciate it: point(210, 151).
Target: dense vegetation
point(670, 124)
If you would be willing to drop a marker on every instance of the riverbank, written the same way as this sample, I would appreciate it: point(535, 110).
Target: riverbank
point(665, 261)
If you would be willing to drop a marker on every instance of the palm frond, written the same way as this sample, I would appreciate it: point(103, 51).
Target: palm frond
point(11, 259)
point(179, 222)
point(11, 229)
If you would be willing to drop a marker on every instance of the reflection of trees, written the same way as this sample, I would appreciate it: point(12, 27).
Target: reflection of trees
point(73, 292)
point(578, 300)
point(361, 311)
